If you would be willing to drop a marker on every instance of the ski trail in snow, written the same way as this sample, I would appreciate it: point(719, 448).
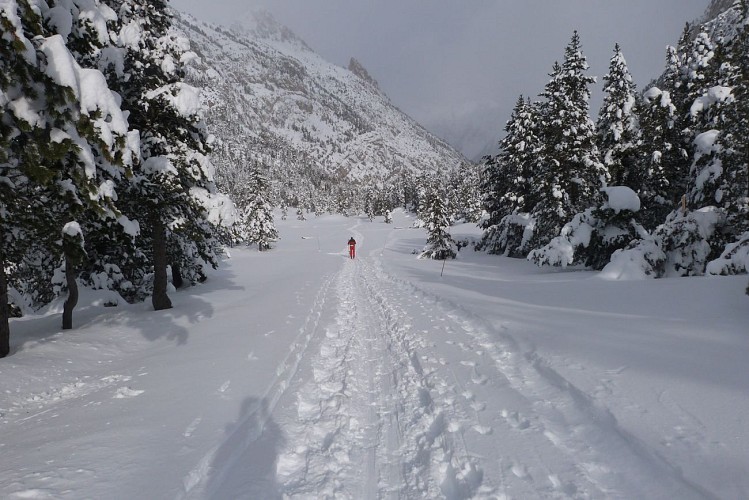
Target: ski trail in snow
point(369, 423)
point(593, 455)
point(344, 446)
point(402, 394)
point(251, 426)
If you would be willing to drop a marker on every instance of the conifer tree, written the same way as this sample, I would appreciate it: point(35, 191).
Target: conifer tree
point(433, 211)
point(174, 177)
point(720, 176)
point(63, 137)
point(736, 168)
point(258, 215)
point(570, 173)
point(509, 181)
point(617, 127)
point(662, 159)
point(676, 76)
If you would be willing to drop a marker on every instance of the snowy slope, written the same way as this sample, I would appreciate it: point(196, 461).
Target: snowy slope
point(300, 372)
point(267, 90)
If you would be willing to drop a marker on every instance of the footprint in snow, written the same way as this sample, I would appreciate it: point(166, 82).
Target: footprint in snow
point(453, 427)
point(478, 378)
point(515, 420)
point(482, 429)
point(127, 392)
point(478, 406)
point(191, 428)
point(520, 471)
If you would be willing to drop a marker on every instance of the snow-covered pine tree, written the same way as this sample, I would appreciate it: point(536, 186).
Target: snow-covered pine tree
point(174, 178)
point(735, 186)
point(571, 173)
point(64, 140)
point(617, 127)
point(257, 217)
point(508, 184)
point(388, 217)
point(464, 193)
point(666, 136)
point(676, 77)
point(719, 175)
point(433, 211)
point(87, 30)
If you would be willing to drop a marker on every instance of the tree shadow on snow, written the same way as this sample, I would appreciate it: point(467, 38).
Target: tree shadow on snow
point(244, 466)
point(187, 304)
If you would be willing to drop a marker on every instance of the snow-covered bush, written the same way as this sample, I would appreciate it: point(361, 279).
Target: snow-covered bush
point(679, 247)
point(733, 260)
point(593, 236)
point(510, 237)
point(639, 260)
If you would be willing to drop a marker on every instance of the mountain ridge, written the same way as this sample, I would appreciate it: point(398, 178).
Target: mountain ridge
point(269, 93)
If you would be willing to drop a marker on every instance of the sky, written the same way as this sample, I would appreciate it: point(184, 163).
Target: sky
point(458, 67)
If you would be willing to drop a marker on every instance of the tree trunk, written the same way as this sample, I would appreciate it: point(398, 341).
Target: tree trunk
point(72, 300)
point(177, 280)
point(4, 314)
point(160, 299)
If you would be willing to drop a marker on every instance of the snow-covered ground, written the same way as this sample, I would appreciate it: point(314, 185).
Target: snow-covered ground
point(301, 373)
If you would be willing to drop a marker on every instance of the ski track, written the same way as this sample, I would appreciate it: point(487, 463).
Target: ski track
point(211, 468)
point(36, 405)
point(368, 422)
point(599, 458)
point(372, 405)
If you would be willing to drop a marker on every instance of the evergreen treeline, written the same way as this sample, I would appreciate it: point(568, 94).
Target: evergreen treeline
point(658, 185)
point(104, 174)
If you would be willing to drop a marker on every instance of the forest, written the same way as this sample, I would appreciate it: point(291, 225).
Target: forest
point(111, 177)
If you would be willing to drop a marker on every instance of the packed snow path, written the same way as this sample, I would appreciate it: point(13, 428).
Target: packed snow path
point(300, 373)
point(376, 410)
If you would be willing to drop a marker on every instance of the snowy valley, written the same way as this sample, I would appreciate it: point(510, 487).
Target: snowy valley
point(567, 320)
point(301, 373)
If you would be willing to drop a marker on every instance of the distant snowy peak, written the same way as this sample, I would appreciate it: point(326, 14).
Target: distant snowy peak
point(260, 24)
point(716, 8)
point(269, 94)
point(722, 18)
point(359, 70)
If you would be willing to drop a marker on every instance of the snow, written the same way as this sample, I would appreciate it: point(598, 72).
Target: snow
point(714, 95)
point(131, 35)
point(72, 229)
point(622, 198)
point(9, 10)
point(705, 142)
point(130, 227)
point(25, 110)
point(88, 85)
point(184, 98)
point(303, 373)
point(219, 207)
point(159, 165)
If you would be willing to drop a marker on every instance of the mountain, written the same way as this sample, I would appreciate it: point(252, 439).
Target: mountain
point(715, 8)
point(273, 99)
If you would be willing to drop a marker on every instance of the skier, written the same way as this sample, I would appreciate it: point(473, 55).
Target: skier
point(352, 248)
